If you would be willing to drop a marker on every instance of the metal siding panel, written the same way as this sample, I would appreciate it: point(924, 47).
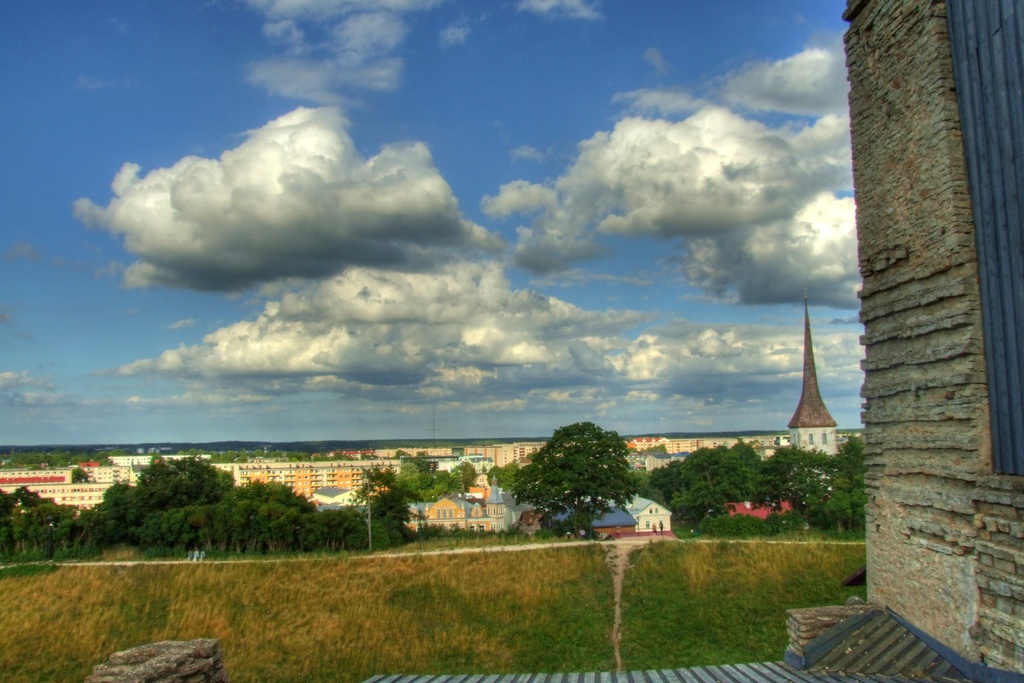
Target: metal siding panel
point(988, 60)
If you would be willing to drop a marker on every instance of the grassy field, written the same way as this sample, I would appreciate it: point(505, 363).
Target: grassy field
point(343, 620)
point(692, 604)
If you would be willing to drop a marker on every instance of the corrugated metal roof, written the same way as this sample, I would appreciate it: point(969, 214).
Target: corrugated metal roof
point(772, 672)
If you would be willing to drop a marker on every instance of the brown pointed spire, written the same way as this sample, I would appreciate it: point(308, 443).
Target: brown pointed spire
point(811, 411)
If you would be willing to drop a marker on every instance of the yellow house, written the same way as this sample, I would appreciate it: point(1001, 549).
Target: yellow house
point(454, 513)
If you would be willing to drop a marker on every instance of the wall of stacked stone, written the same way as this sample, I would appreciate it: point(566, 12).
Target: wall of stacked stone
point(1000, 570)
point(170, 661)
point(927, 433)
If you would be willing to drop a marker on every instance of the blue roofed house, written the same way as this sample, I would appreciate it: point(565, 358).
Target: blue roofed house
point(615, 522)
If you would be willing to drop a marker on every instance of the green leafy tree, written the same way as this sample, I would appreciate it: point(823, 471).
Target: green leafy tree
point(135, 514)
point(387, 504)
point(168, 484)
point(467, 475)
point(711, 478)
point(800, 477)
point(843, 508)
point(582, 471)
point(667, 481)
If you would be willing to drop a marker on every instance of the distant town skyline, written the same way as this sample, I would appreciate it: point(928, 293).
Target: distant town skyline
point(351, 220)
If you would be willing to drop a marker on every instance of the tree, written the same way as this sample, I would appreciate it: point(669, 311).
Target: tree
point(505, 475)
point(801, 478)
point(387, 502)
point(667, 481)
point(582, 472)
point(466, 474)
point(843, 509)
point(711, 478)
point(179, 483)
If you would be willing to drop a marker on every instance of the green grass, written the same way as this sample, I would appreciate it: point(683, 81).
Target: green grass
point(320, 620)
point(694, 604)
point(343, 620)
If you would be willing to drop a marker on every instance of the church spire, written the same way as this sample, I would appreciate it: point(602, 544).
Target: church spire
point(811, 411)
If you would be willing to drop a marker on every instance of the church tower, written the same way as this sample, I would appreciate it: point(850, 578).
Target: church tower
point(812, 427)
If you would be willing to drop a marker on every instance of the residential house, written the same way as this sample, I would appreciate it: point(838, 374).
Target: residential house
point(334, 496)
point(650, 516)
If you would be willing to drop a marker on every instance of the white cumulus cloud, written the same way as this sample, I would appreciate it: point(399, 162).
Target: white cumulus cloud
point(294, 200)
point(812, 82)
point(374, 328)
point(757, 210)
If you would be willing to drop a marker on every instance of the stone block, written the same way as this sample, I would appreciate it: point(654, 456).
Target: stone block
point(193, 661)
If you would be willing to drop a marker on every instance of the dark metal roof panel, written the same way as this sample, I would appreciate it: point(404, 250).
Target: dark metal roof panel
point(882, 646)
point(771, 672)
point(987, 40)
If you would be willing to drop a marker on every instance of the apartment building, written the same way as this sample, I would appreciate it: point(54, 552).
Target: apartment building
point(306, 477)
point(388, 453)
point(15, 478)
point(64, 493)
point(504, 453)
point(131, 460)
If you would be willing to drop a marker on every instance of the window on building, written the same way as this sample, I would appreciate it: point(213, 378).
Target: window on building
point(810, 439)
point(824, 437)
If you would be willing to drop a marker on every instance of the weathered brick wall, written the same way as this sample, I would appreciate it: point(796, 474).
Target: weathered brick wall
point(934, 526)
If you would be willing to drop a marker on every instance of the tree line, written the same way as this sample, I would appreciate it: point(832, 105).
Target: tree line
point(582, 471)
point(188, 504)
point(825, 492)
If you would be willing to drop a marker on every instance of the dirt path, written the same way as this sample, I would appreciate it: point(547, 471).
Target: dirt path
point(617, 555)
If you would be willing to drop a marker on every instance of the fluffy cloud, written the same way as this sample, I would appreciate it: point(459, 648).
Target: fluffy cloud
point(324, 9)
point(22, 389)
point(569, 9)
point(294, 200)
point(464, 340)
point(454, 35)
point(814, 251)
point(9, 381)
point(380, 328)
point(755, 208)
point(759, 211)
point(655, 102)
point(356, 53)
point(812, 82)
point(352, 46)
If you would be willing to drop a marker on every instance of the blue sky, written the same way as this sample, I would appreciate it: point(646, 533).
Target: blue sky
point(351, 219)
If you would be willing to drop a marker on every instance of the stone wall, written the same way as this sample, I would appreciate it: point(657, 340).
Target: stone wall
point(171, 661)
point(937, 518)
point(1000, 570)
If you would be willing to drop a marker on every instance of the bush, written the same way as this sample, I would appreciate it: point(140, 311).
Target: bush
point(740, 526)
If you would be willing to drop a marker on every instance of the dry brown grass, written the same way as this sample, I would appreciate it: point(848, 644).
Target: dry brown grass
point(319, 620)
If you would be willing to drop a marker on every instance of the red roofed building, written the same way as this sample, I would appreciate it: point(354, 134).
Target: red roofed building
point(748, 509)
point(24, 481)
